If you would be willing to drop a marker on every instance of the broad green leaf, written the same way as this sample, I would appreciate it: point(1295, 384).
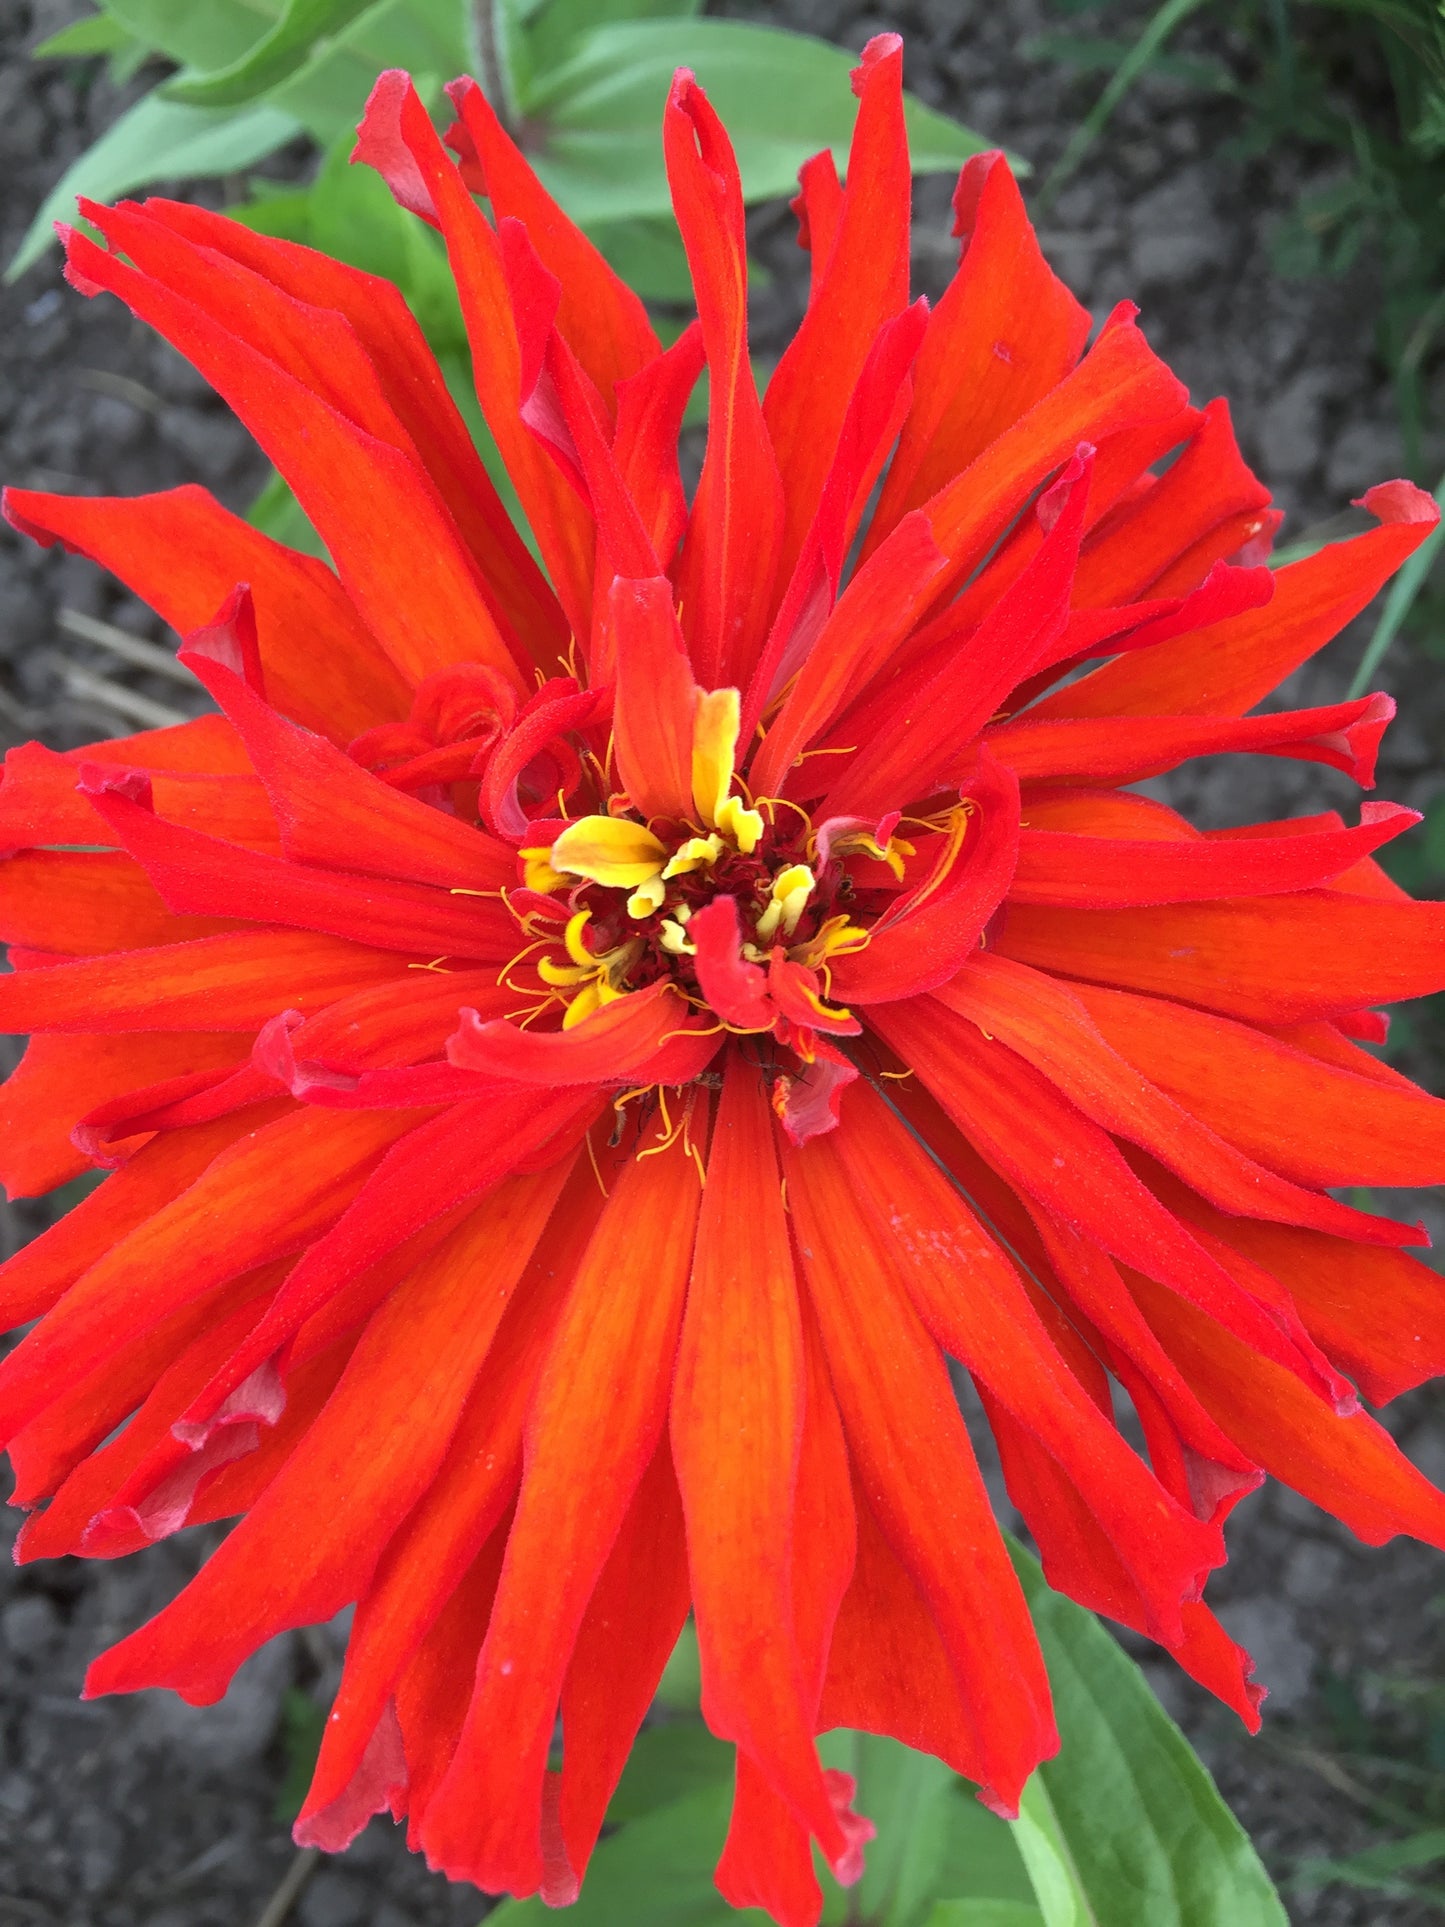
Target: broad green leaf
point(156, 140)
point(783, 96)
point(983, 1913)
point(275, 56)
point(98, 33)
point(552, 27)
point(667, 1762)
point(326, 93)
point(680, 1688)
point(202, 36)
point(649, 256)
point(1151, 1842)
point(426, 37)
point(657, 1872)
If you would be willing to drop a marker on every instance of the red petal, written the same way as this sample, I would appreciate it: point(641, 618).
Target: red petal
point(371, 501)
point(864, 284)
point(737, 1427)
point(183, 554)
point(1344, 735)
point(908, 1441)
point(397, 138)
point(1270, 960)
point(1230, 666)
point(730, 553)
point(1006, 332)
point(594, 1423)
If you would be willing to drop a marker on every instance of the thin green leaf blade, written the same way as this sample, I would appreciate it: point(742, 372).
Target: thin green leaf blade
point(156, 140)
point(1152, 1842)
point(277, 55)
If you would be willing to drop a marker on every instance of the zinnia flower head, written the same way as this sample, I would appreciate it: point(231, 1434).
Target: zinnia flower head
point(576, 1046)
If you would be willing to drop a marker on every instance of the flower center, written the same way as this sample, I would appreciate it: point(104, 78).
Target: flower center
point(614, 903)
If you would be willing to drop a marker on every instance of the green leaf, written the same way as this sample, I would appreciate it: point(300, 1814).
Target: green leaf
point(783, 96)
point(983, 1913)
point(205, 36)
point(274, 57)
point(649, 255)
point(277, 513)
point(657, 1872)
point(155, 140)
point(551, 28)
point(933, 1837)
point(426, 37)
point(667, 1762)
point(1051, 1870)
point(1150, 1841)
point(98, 33)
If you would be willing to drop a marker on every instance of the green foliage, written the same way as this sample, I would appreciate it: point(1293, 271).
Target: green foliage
point(1123, 1829)
point(302, 1724)
point(782, 96)
point(582, 81)
point(1389, 1755)
point(154, 139)
point(1304, 72)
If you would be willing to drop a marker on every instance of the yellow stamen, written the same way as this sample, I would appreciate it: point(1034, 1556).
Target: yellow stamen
point(538, 874)
point(714, 744)
point(791, 889)
point(647, 897)
point(743, 825)
point(609, 850)
point(696, 854)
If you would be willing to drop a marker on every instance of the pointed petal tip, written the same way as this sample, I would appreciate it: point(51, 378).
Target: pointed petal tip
point(1398, 501)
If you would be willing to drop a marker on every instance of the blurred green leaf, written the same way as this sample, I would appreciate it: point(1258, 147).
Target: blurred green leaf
point(551, 27)
point(204, 36)
point(680, 1687)
point(984, 1913)
point(649, 255)
point(98, 33)
point(933, 1837)
point(1151, 1841)
point(783, 96)
point(657, 1872)
point(302, 1724)
point(426, 37)
point(665, 1763)
point(156, 140)
point(274, 57)
point(277, 513)
point(1050, 1864)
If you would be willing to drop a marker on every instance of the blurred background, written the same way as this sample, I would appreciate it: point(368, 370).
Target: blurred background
point(1266, 178)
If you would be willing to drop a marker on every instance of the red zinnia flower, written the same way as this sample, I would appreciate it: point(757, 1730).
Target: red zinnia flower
point(577, 1050)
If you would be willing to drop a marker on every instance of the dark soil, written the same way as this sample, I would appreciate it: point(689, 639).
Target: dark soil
point(147, 1814)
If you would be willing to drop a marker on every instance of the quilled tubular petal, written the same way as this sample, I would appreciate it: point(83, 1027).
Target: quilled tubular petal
point(571, 1048)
